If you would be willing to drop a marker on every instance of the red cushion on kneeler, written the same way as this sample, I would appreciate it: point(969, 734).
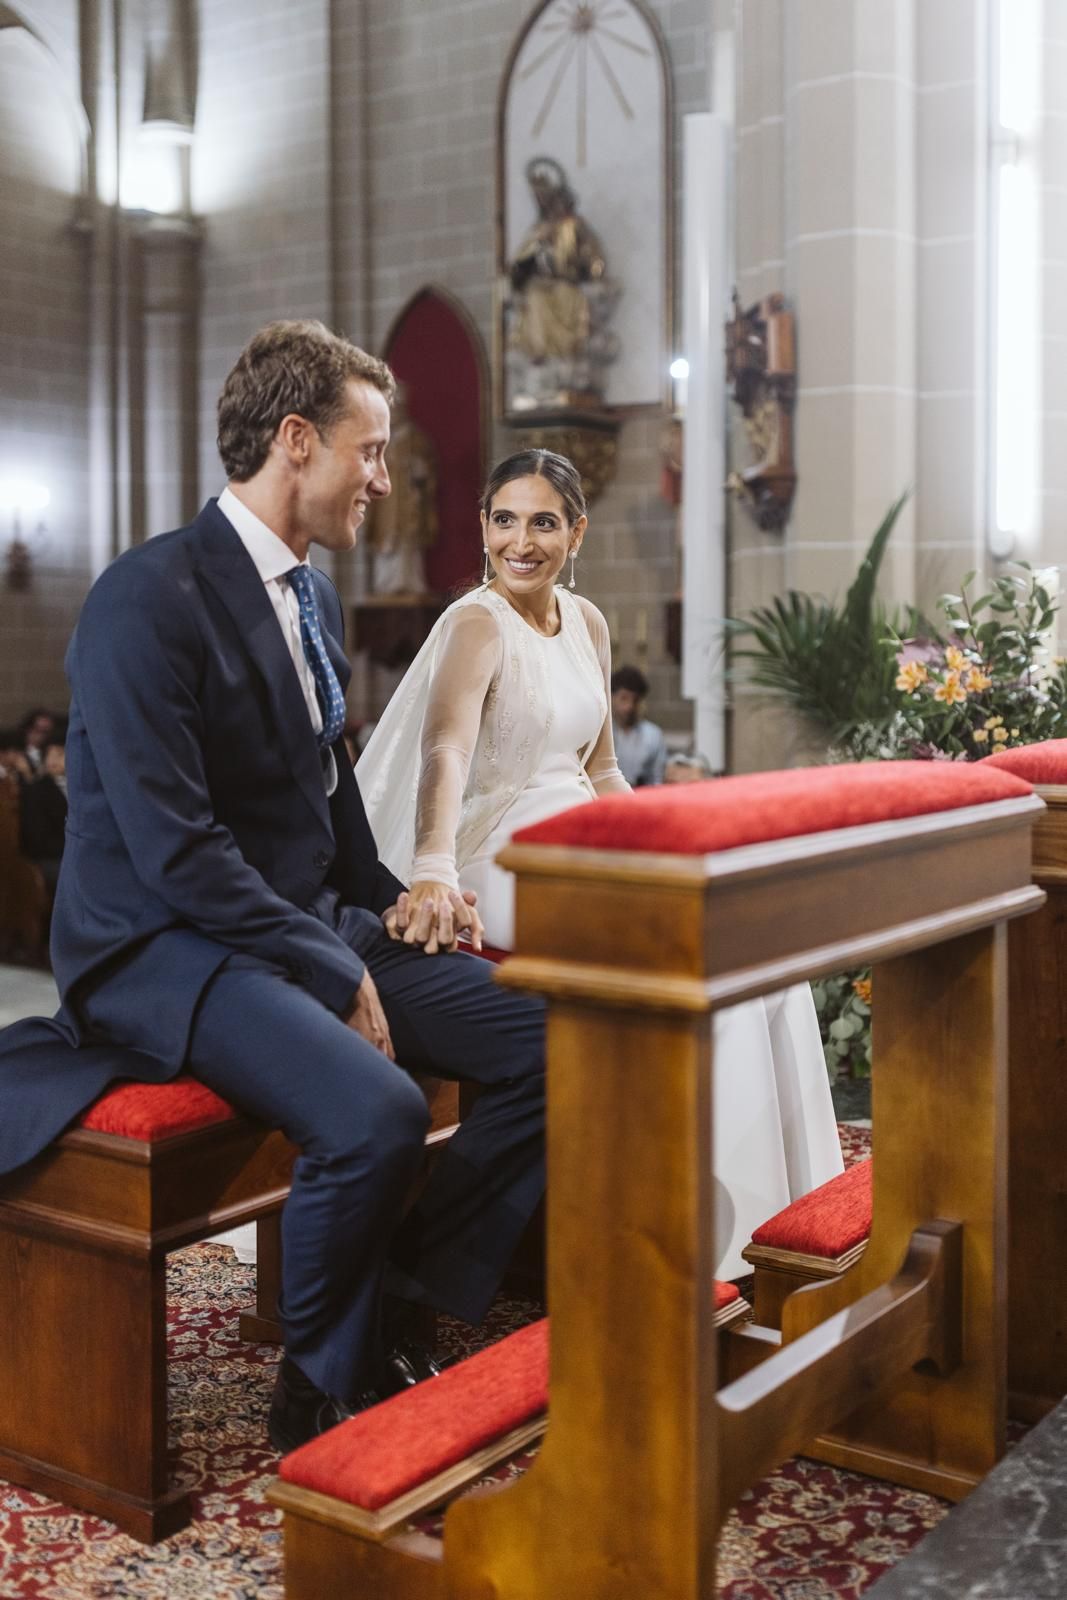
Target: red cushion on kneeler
point(725, 1294)
point(152, 1111)
point(399, 1444)
point(830, 1220)
point(1037, 763)
point(697, 818)
point(382, 1453)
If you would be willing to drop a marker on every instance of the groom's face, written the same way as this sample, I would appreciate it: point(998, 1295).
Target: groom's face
point(346, 470)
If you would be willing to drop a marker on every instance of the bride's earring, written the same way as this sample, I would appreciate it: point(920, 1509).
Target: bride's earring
point(485, 570)
point(573, 555)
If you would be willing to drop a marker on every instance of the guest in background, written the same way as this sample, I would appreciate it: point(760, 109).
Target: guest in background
point(639, 744)
point(13, 763)
point(681, 768)
point(44, 814)
point(37, 729)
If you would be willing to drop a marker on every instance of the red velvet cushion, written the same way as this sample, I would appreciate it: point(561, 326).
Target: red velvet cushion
point(493, 953)
point(828, 1221)
point(152, 1111)
point(697, 818)
point(725, 1294)
point(392, 1448)
point(1037, 763)
point(382, 1453)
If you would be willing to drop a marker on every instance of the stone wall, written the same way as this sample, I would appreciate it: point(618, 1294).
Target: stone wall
point(44, 372)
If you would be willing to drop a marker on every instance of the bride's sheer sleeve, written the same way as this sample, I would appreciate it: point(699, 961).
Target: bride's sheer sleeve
point(602, 767)
point(468, 658)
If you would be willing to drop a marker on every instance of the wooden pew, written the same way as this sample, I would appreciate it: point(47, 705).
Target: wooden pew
point(637, 918)
point(85, 1231)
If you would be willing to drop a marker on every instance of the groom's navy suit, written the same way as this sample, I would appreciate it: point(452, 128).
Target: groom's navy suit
point(216, 912)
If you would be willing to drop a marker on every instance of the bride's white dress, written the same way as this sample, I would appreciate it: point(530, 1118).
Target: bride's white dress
point(775, 1134)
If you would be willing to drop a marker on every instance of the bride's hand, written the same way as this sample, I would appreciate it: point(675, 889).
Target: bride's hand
point(433, 916)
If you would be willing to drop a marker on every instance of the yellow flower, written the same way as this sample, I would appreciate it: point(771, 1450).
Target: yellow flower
point(980, 736)
point(910, 676)
point(951, 692)
point(1015, 733)
point(977, 680)
point(1000, 735)
point(862, 988)
point(993, 722)
point(955, 659)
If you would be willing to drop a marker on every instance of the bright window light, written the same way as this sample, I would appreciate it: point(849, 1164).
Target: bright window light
point(1015, 285)
point(1016, 354)
point(21, 496)
point(151, 179)
point(679, 368)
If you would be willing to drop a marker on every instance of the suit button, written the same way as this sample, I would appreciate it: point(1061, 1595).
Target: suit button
point(322, 858)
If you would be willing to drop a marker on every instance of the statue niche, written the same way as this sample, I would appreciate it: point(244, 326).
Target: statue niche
point(402, 527)
point(559, 305)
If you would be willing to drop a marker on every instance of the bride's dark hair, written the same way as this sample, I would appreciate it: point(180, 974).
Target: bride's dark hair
point(561, 474)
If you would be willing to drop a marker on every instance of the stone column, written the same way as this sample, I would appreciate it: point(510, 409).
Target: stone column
point(850, 247)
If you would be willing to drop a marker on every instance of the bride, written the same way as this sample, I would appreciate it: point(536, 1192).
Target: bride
point(503, 719)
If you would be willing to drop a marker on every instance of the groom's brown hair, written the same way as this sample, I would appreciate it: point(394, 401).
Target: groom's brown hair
point(286, 368)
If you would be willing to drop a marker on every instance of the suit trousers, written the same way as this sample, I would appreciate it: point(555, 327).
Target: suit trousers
point(359, 1122)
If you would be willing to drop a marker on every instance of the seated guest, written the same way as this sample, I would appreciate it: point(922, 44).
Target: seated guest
point(44, 814)
point(639, 744)
point(681, 768)
point(13, 762)
point(36, 730)
point(221, 909)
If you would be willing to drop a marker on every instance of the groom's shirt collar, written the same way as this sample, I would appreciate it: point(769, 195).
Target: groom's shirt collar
point(272, 556)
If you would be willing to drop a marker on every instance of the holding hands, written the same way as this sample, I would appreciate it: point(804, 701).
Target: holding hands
point(434, 916)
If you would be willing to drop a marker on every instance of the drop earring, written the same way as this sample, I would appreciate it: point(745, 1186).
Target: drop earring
point(573, 555)
point(485, 569)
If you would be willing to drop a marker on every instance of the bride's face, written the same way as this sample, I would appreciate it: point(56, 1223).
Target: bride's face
point(529, 537)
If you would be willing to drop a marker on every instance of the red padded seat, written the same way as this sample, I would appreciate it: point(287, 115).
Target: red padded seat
point(152, 1111)
point(699, 818)
point(829, 1221)
point(493, 953)
point(380, 1454)
point(1037, 763)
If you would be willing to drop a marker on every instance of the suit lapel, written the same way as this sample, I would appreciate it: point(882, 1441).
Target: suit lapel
point(229, 569)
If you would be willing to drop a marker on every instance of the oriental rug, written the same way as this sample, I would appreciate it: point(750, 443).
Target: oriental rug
point(807, 1532)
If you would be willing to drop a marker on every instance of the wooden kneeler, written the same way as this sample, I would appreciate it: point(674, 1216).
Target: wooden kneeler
point(1037, 1209)
point(637, 917)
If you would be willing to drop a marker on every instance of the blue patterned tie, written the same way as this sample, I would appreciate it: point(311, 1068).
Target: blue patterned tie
point(327, 688)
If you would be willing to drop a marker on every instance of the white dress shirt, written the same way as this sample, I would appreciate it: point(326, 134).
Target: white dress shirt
point(273, 558)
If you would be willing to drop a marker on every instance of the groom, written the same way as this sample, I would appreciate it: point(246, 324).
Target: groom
point(222, 910)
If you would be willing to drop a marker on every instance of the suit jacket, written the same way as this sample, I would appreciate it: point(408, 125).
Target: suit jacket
point(198, 822)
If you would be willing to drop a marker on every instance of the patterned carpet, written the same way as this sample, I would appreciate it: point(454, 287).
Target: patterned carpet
point(807, 1532)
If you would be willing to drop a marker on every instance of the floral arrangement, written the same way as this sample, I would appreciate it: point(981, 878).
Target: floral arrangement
point(884, 687)
point(984, 682)
point(843, 1006)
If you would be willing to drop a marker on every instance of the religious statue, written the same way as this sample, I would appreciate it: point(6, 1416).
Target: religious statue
point(402, 526)
point(560, 304)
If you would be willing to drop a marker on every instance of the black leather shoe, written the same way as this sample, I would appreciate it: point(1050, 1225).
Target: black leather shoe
point(299, 1411)
point(406, 1363)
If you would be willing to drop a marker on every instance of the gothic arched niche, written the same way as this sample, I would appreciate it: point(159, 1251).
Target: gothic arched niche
point(585, 102)
point(436, 352)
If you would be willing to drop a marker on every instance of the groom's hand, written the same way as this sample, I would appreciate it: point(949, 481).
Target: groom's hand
point(368, 1019)
point(433, 916)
